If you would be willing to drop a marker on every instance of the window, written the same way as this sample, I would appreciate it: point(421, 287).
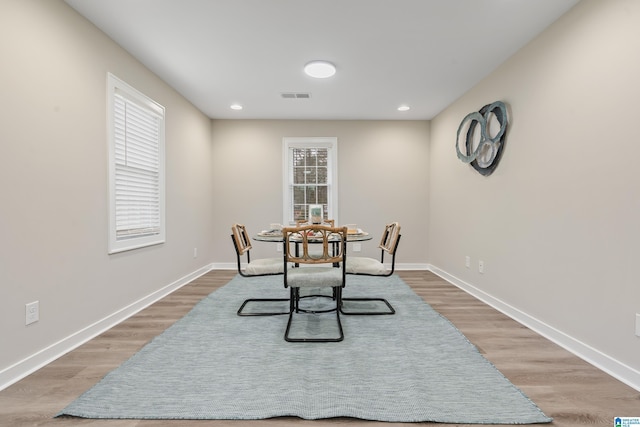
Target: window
point(136, 168)
point(310, 177)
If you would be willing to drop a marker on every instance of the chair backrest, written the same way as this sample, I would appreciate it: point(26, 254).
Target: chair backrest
point(390, 238)
point(300, 242)
point(240, 238)
point(329, 222)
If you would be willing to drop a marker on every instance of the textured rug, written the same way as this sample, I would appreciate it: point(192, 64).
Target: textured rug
point(212, 364)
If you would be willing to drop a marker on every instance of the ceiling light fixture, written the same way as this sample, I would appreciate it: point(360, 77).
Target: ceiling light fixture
point(404, 108)
point(320, 69)
point(236, 107)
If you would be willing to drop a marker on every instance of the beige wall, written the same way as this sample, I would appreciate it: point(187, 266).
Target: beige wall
point(53, 182)
point(382, 173)
point(557, 223)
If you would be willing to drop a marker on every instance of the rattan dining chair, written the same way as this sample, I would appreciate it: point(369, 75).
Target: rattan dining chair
point(253, 268)
point(372, 267)
point(320, 251)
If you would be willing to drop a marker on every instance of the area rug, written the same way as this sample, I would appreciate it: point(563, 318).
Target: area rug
point(413, 366)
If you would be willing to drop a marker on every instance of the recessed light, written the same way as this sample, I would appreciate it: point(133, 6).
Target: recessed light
point(320, 69)
point(236, 107)
point(404, 108)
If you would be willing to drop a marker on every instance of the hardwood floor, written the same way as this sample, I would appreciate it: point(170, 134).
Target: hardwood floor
point(566, 388)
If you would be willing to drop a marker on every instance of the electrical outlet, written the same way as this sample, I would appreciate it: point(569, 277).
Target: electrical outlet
point(481, 266)
point(195, 252)
point(32, 312)
point(357, 247)
point(467, 261)
point(638, 324)
point(278, 247)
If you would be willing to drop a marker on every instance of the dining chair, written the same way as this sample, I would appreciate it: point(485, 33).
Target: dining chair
point(329, 222)
point(321, 252)
point(372, 267)
point(253, 268)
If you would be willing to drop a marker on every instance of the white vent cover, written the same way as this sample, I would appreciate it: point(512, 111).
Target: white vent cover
point(295, 95)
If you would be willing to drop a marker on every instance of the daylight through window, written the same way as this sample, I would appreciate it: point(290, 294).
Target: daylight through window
point(310, 177)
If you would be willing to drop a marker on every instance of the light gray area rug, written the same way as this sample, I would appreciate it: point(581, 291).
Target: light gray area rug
point(212, 364)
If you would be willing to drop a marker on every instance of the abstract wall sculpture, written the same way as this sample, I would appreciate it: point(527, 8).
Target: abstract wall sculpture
point(484, 134)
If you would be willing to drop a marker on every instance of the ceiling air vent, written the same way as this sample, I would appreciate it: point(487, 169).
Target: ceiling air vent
point(295, 95)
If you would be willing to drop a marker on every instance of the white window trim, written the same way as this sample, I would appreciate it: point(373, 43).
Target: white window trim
point(330, 143)
point(115, 85)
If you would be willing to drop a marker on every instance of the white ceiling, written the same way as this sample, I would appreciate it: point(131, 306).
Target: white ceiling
point(423, 53)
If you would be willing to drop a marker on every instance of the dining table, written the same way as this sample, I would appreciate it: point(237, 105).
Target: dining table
point(275, 235)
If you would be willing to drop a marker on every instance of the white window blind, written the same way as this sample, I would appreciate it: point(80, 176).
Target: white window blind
point(136, 168)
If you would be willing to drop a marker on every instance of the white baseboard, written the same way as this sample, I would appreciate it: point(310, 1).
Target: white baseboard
point(410, 266)
point(21, 369)
point(600, 360)
point(399, 266)
point(224, 266)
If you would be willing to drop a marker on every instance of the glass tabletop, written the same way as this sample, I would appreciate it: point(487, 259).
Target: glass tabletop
point(277, 237)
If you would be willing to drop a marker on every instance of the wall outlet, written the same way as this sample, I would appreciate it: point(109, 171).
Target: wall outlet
point(638, 324)
point(357, 247)
point(278, 247)
point(481, 266)
point(195, 252)
point(467, 261)
point(32, 312)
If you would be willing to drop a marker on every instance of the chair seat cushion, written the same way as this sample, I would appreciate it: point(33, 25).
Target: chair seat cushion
point(364, 265)
point(314, 277)
point(265, 266)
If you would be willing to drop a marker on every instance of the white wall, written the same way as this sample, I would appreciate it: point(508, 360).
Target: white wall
point(557, 223)
point(382, 173)
point(53, 184)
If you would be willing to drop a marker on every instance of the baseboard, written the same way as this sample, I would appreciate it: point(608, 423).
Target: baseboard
point(600, 360)
point(224, 266)
point(19, 370)
point(399, 266)
point(410, 266)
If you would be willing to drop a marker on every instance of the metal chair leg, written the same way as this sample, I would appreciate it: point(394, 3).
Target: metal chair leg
point(367, 313)
point(295, 299)
point(258, 313)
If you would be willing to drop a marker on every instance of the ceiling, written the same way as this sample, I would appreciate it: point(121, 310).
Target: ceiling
point(422, 53)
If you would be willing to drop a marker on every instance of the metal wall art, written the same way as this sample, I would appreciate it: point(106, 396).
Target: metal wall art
point(484, 134)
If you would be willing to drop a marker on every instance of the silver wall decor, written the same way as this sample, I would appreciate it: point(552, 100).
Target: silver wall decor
point(484, 137)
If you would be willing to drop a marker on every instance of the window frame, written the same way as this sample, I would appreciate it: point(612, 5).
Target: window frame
point(118, 88)
point(290, 143)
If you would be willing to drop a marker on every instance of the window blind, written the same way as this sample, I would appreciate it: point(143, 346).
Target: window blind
point(135, 127)
point(137, 170)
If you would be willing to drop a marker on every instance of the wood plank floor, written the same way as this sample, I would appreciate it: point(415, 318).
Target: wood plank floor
point(566, 388)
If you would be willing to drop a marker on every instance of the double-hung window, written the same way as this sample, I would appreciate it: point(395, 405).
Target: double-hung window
point(310, 177)
point(136, 168)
